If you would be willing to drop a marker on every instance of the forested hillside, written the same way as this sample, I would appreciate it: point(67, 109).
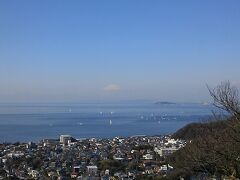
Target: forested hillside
point(214, 147)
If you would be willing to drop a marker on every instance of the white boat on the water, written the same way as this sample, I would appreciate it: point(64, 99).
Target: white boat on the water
point(110, 122)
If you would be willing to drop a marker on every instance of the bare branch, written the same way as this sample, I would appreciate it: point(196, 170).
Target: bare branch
point(226, 97)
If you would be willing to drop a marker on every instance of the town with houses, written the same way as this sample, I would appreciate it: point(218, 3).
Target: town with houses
point(135, 157)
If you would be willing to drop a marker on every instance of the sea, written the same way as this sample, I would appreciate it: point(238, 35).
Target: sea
point(33, 122)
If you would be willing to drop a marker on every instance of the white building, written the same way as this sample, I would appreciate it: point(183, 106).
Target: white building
point(148, 156)
point(65, 139)
point(165, 151)
point(171, 141)
point(92, 170)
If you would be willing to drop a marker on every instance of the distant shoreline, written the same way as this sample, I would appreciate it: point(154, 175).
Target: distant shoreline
point(164, 103)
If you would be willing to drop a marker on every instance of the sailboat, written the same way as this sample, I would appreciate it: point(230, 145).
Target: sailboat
point(110, 122)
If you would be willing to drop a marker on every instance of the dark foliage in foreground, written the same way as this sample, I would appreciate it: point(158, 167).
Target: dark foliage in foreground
point(194, 130)
point(215, 151)
point(214, 147)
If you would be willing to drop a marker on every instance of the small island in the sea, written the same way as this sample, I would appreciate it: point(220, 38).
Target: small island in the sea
point(164, 103)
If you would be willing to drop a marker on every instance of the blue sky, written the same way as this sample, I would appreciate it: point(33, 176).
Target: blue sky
point(80, 51)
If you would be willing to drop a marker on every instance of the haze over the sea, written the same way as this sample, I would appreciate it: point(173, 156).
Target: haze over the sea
point(106, 51)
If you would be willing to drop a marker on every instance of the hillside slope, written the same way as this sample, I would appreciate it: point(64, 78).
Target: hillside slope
point(214, 150)
point(195, 130)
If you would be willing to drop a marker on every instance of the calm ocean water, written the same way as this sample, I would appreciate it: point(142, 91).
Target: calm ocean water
point(33, 122)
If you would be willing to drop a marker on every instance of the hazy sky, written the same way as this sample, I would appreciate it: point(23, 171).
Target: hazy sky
point(107, 50)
